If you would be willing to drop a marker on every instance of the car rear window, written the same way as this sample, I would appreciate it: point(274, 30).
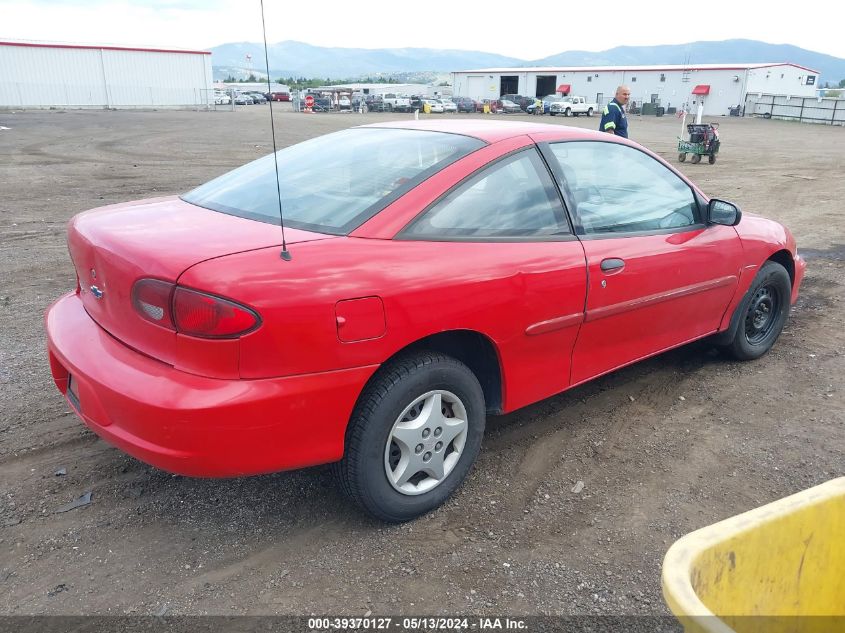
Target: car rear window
point(334, 183)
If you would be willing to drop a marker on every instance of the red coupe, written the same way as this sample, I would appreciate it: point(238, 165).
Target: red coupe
point(438, 272)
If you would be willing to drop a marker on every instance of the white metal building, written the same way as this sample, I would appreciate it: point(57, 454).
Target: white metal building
point(401, 89)
point(75, 76)
point(720, 86)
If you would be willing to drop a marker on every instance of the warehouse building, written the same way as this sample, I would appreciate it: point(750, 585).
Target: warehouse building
point(34, 75)
point(719, 86)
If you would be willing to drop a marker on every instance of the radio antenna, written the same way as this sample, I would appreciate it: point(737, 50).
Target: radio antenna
point(285, 255)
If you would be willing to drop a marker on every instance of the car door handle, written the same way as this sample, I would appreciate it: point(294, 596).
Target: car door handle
point(612, 264)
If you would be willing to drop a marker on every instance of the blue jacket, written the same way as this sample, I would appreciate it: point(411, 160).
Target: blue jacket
point(613, 118)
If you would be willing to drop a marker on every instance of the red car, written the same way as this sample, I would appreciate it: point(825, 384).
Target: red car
point(464, 268)
point(280, 96)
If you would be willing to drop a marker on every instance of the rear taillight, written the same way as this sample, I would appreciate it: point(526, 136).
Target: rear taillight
point(151, 298)
point(204, 315)
point(191, 312)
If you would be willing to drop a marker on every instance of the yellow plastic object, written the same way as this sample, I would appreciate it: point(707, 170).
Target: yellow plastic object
point(486, 108)
point(756, 572)
point(427, 108)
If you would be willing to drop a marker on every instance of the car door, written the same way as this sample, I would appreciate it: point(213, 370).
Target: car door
point(502, 235)
point(658, 276)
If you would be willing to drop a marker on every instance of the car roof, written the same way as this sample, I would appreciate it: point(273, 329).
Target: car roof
point(492, 131)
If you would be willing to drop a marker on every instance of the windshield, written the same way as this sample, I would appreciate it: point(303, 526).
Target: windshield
point(333, 183)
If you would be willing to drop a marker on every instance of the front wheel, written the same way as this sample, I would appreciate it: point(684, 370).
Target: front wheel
point(413, 436)
point(568, 112)
point(763, 313)
point(682, 157)
point(696, 158)
point(711, 159)
point(590, 112)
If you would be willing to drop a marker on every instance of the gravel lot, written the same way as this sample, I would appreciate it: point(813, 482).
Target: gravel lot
point(663, 447)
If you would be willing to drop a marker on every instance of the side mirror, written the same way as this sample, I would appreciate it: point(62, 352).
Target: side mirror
point(722, 212)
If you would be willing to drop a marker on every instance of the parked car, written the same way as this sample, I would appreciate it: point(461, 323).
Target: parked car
point(522, 101)
point(257, 97)
point(396, 102)
point(280, 96)
point(493, 104)
point(375, 103)
point(242, 99)
point(221, 98)
point(569, 106)
point(508, 107)
point(416, 102)
point(548, 100)
point(344, 103)
point(450, 274)
point(536, 107)
point(434, 106)
point(448, 105)
point(465, 104)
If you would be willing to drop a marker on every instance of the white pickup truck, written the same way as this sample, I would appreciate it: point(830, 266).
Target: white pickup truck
point(396, 103)
point(573, 105)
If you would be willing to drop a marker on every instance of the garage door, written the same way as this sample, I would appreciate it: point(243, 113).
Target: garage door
point(477, 87)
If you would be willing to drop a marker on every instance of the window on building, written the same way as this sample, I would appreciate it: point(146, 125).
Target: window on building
point(662, 76)
point(811, 80)
point(589, 78)
point(633, 80)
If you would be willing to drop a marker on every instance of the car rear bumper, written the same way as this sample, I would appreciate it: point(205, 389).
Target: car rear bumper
point(190, 424)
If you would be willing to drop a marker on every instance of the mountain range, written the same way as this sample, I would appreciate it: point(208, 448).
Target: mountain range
point(298, 59)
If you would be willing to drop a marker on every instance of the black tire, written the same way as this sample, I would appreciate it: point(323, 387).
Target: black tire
point(552, 113)
point(590, 112)
point(767, 115)
point(763, 313)
point(696, 158)
point(362, 471)
point(682, 157)
point(567, 112)
point(711, 159)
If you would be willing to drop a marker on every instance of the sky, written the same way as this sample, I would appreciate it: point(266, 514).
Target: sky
point(523, 30)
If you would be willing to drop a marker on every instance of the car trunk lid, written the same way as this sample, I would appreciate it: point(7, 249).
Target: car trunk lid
point(113, 247)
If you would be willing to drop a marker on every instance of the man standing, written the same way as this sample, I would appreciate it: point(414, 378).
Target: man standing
point(613, 119)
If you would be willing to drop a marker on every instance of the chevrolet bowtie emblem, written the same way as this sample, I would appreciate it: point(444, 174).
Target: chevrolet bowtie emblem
point(98, 294)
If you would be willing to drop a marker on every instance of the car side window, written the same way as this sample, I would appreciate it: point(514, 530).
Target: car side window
point(618, 189)
point(513, 198)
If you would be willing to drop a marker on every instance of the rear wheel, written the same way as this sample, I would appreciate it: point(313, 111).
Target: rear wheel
point(763, 313)
point(590, 112)
point(711, 159)
point(682, 157)
point(413, 436)
point(696, 158)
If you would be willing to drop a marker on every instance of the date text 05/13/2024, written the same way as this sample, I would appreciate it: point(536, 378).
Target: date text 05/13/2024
point(376, 623)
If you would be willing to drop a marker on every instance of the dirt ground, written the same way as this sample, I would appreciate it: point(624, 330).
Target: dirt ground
point(663, 447)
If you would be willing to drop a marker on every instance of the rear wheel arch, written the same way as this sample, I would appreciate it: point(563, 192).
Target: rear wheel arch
point(473, 349)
